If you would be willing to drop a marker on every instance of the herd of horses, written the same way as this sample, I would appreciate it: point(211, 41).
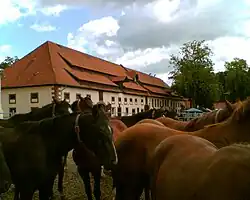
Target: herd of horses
point(149, 152)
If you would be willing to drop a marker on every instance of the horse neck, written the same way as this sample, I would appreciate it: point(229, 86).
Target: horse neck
point(59, 135)
point(220, 135)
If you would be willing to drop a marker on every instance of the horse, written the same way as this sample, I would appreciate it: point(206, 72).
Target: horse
point(201, 121)
point(135, 147)
point(192, 168)
point(86, 161)
point(5, 176)
point(149, 114)
point(52, 137)
point(50, 110)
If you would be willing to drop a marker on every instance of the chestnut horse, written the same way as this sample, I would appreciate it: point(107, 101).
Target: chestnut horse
point(136, 145)
point(201, 121)
point(192, 168)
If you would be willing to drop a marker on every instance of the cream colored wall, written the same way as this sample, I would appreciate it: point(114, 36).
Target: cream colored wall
point(23, 103)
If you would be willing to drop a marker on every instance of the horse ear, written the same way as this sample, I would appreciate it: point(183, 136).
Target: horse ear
point(81, 98)
point(229, 106)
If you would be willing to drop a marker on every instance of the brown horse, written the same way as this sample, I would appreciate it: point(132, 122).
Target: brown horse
point(86, 161)
point(200, 122)
point(136, 145)
point(192, 168)
point(50, 110)
point(35, 168)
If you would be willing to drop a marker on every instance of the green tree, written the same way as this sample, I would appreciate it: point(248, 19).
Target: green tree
point(8, 61)
point(237, 79)
point(193, 75)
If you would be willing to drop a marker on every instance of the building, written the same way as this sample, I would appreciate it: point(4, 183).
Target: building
point(55, 70)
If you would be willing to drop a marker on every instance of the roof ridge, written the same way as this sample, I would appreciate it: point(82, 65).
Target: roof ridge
point(49, 44)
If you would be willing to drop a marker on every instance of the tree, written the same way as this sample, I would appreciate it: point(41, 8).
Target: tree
point(237, 79)
point(8, 61)
point(193, 75)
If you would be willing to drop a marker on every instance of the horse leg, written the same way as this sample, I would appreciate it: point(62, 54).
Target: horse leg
point(97, 187)
point(26, 195)
point(17, 193)
point(86, 179)
point(60, 179)
point(65, 161)
point(102, 172)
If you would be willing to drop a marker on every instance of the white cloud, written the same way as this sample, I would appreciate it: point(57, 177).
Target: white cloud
point(143, 36)
point(54, 10)
point(45, 27)
point(12, 10)
point(4, 51)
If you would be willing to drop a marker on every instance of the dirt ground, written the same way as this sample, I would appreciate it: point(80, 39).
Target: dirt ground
point(73, 185)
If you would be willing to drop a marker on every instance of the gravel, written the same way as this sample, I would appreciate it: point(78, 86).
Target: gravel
point(73, 185)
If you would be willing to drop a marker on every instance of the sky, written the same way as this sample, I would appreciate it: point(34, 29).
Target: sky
point(139, 34)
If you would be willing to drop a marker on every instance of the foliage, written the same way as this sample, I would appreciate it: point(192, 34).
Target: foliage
point(8, 61)
point(236, 77)
point(193, 75)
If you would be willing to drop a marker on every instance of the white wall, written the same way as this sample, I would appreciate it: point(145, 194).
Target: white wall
point(23, 103)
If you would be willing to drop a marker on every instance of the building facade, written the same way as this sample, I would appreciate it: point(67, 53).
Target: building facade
point(54, 70)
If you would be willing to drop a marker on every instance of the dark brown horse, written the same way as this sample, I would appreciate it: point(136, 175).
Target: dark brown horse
point(5, 176)
point(53, 109)
point(35, 168)
point(149, 114)
point(201, 121)
point(87, 162)
point(136, 145)
point(191, 168)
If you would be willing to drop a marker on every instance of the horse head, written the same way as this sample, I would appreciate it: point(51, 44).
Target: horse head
point(60, 107)
point(102, 136)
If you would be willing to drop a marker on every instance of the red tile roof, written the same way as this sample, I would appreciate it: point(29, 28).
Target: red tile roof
point(52, 63)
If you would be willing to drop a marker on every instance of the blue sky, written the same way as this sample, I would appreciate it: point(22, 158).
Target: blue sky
point(139, 34)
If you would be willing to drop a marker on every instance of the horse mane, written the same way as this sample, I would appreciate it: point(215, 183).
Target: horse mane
point(241, 144)
point(242, 111)
point(212, 125)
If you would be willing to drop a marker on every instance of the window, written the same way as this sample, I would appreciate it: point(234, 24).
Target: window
point(141, 110)
point(126, 111)
point(152, 102)
point(67, 96)
point(133, 111)
point(33, 108)
point(119, 99)
point(125, 100)
point(112, 111)
point(158, 103)
point(12, 111)
point(138, 110)
point(135, 101)
point(12, 98)
point(34, 97)
point(131, 100)
point(100, 95)
point(78, 96)
point(142, 101)
point(113, 99)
